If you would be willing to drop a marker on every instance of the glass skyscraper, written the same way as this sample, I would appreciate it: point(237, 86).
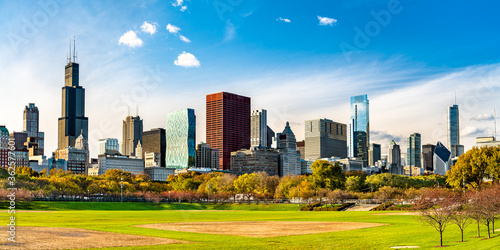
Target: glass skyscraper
point(180, 134)
point(359, 128)
point(414, 151)
point(453, 133)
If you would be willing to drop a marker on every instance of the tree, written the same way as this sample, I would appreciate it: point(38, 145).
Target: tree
point(459, 213)
point(354, 183)
point(337, 196)
point(474, 207)
point(326, 175)
point(435, 209)
point(474, 166)
point(285, 184)
point(246, 185)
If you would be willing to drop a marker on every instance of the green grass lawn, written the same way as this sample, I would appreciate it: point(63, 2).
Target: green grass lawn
point(400, 230)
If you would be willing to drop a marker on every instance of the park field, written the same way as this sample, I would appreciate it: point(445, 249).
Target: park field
point(227, 227)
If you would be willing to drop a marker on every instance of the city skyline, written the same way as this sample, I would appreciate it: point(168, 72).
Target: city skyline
point(394, 81)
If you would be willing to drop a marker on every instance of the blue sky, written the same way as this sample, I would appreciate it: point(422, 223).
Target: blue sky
point(288, 56)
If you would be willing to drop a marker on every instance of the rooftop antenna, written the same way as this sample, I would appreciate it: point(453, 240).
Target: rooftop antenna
point(74, 49)
point(137, 111)
point(455, 97)
point(128, 113)
point(495, 122)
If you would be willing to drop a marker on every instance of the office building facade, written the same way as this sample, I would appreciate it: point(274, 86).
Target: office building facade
point(289, 157)
point(253, 160)
point(132, 135)
point(374, 154)
point(108, 144)
point(414, 151)
point(4, 146)
point(394, 158)
point(180, 137)
point(324, 139)
point(454, 132)
point(258, 128)
point(428, 157)
point(73, 120)
point(31, 126)
point(227, 125)
point(206, 157)
point(359, 128)
point(441, 159)
point(154, 141)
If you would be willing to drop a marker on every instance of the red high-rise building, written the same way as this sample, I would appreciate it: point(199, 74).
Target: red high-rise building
point(228, 125)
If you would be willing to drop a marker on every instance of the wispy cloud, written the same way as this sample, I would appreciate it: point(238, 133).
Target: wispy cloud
point(482, 117)
point(180, 3)
point(175, 30)
point(148, 28)
point(230, 32)
point(130, 39)
point(471, 131)
point(187, 60)
point(184, 39)
point(286, 20)
point(327, 21)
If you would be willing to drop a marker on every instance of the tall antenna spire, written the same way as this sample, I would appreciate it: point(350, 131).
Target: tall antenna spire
point(128, 112)
point(137, 110)
point(455, 97)
point(74, 49)
point(495, 122)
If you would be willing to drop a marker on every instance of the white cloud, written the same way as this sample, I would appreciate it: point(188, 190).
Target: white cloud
point(148, 28)
point(283, 20)
point(173, 29)
point(179, 3)
point(130, 39)
point(187, 60)
point(482, 117)
point(474, 131)
point(326, 21)
point(184, 39)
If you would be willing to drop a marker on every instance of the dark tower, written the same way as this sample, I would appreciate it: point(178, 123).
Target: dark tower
point(73, 121)
point(228, 125)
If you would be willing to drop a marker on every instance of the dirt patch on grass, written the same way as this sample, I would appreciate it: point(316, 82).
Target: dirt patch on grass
point(72, 238)
point(261, 228)
point(402, 213)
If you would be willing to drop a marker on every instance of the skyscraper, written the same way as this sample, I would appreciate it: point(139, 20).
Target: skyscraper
point(289, 157)
point(375, 154)
point(325, 138)
point(180, 137)
point(441, 159)
point(394, 158)
point(154, 141)
point(73, 120)
point(454, 132)
point(31, 122)
point(132, 134)
point(228, 125)
point(453, 125)
point(414, 150)
point(359, 128)
point(258, 128)
point(4, 146)
point(427, 157)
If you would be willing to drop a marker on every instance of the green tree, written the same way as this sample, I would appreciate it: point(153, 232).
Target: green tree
point(354, 183)
point(474, 166)
point(247, 184)
point(326, 175)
